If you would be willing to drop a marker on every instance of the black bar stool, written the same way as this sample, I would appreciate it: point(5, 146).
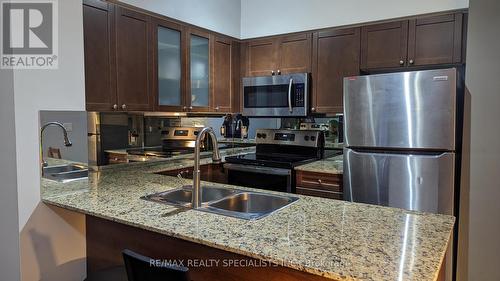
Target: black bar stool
point(117, 273)
point(141, 268)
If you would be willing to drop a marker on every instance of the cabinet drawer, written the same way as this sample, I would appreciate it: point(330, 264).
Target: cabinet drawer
point(319, 193)
point(117, 158)
point(319, 181)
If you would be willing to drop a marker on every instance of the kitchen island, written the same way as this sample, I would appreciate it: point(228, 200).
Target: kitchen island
point(312, 239)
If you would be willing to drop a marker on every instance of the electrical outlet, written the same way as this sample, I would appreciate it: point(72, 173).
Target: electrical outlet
point(68, 126)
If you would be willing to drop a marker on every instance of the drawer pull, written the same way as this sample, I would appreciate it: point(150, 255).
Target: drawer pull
point(319, 182)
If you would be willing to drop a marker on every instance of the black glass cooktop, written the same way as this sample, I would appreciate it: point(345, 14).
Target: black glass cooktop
point(270, 160)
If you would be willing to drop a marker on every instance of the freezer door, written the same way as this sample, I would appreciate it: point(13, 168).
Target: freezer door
point(408, 110)
point(407, 181)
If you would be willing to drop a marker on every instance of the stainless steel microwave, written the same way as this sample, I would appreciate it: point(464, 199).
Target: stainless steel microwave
point(278, 95)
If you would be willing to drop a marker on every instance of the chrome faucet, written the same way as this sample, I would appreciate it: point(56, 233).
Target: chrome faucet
point(67, 142)
point(197, 190)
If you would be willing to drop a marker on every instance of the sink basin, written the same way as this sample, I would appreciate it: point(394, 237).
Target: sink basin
point(65, 173)
point(63, 168)
point(227, 202)
point(250, 205)
point(182, 196)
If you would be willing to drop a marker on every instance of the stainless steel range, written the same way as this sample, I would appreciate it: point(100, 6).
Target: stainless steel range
point(278, 151)
point(175, 141)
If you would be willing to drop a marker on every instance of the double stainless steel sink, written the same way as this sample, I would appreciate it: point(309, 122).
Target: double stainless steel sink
point(247, 205)
point(65, 173)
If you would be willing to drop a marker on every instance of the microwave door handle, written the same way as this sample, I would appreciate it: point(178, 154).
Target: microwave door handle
point(290, 95)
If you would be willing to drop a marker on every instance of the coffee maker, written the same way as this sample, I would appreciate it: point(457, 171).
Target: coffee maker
point(235, 126)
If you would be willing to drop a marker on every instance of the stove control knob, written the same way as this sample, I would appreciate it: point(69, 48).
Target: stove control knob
point(306, 138)
point(313, 138)
point(264, 136)
point(259, 135)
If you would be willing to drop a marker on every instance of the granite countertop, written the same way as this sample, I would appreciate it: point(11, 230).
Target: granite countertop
point(336, 239)
point(331, 165)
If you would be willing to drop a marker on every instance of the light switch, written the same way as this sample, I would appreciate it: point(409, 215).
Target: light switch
point(68, 126)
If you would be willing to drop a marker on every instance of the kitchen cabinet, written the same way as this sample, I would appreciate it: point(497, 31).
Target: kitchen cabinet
point(222, 73)
point(294, 55)
point(422, 41)
point(435, 40)
point(169, 74)
point(99, 45)
point(133, 60)
point(279, 55)
point(335, 56)
point(198, 70)
point(262, 57)
point(319, 184)
point(117, 58)
point(384, 45)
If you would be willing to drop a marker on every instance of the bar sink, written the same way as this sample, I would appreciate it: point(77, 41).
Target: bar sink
point(182, 196)
point(250, 205)
point(65, 173)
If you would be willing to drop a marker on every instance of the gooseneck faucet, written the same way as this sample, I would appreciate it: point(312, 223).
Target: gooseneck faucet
point(67, 142)
point(197, 190)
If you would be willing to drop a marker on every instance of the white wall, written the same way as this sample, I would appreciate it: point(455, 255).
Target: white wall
point(9, 224)
point(270, 17)
point(61, 89)
point(222, 16)
point(482, 81)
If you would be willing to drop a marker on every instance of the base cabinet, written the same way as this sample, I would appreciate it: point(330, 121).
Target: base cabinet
point(106, 240)
point(319, 184)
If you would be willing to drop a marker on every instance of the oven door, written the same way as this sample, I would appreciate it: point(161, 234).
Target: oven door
point(275, 179)
point(280, 95)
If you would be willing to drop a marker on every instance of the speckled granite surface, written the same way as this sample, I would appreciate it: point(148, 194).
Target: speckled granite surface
point(335, 239)
point(332, 165)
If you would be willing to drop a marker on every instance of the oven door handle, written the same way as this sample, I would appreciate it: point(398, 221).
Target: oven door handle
point(257, 169)
point(290, 95)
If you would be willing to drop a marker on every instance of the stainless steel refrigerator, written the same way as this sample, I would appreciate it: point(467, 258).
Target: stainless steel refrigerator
point(400, 137)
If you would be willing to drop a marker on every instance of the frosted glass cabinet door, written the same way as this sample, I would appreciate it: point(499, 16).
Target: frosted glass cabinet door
point(169, 67)
point(199, 65)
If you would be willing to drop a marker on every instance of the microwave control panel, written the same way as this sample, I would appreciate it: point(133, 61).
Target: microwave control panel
point(299, 97)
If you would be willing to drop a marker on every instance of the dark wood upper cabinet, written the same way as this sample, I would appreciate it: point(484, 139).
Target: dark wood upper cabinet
point(384, 45)
point(133, 60)
point(428, 40)
point(169, 74)
point(198, 77)
point(435, 40)
point(222, 69)
point(295, 53)
point(335, 56)
point(262, 57)
point(279, 55)
point(100, 75)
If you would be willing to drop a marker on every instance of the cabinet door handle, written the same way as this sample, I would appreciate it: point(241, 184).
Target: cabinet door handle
point(320, 181)
point(124, 106)
point(190, 108)
point(401, 62)
point(411, 61)
point(184, 108)
point(313, 109)
point(115, 106)
point(217, 108)
point(279, 72)
point(272, 72)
